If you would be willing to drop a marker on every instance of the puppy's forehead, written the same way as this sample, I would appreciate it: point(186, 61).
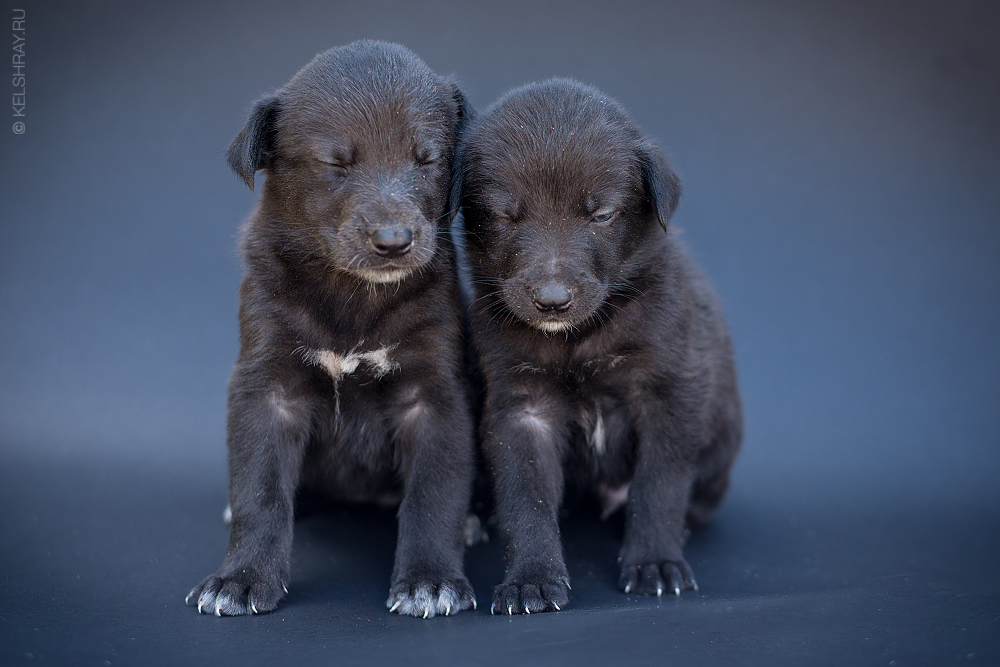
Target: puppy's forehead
point(345, 121)
point(387, 104)
point(554, 148)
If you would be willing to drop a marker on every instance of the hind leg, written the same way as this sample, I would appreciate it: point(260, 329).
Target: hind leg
point(714, 464)
point(705, 499)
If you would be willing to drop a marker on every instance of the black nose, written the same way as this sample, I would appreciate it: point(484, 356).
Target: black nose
point(553, 296)
point(392, 241)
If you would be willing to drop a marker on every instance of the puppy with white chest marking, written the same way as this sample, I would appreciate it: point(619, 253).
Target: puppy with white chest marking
point(350, 378)
point(604, 353)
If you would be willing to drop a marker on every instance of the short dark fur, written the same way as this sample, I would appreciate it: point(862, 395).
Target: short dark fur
point(350, 376)
point(604, 352)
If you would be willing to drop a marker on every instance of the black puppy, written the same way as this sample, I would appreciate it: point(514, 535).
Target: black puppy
point(350, 377)
point(604, 352)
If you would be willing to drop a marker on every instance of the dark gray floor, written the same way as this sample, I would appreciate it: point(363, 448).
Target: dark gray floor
point(841, 164)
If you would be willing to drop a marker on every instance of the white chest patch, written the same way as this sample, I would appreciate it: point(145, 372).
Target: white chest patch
point(594, 425)
point(339, 365)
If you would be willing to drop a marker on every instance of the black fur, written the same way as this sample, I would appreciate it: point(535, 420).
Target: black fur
point(350, 377)
point(604, 353)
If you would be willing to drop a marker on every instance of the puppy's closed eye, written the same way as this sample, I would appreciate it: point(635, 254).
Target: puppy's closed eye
point(424, 157)
point(506, 211)
point(602, 217)
point(337, 167)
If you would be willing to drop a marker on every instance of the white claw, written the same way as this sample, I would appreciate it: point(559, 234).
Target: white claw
point(187, 599)
point(199, 606)
point(556, 606)
point(285, 588)
point(526, 610)
point(426, 611)
point(659, 591)
point(677, 591)
point(628, 587)
point(218, 607)
point(492, 611)
point(395, 606)
point(474, 604)
point(510, 610)
point(253, 608)
point(447, 610)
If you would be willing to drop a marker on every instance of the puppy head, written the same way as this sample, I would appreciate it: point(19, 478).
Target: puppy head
point(559, 192)
point(357, 149)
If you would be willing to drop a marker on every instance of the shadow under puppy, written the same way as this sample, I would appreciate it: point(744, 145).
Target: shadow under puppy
point(604, 353)
point(350, 377)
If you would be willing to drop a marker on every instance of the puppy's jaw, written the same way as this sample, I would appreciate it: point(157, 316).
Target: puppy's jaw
point(551, 326)
point(383, 276)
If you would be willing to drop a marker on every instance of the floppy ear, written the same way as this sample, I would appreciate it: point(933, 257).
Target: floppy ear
point(457, 178)
point(662, 186)
point(464, 114)
point(252, 148)
point(463, 110)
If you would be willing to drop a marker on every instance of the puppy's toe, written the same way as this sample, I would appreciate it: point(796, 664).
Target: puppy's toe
point(556, 595)
point(426, 599)
point(241, 593)
point(530, 598)
point(629, 579)
point(679, 576)
point(652, 581)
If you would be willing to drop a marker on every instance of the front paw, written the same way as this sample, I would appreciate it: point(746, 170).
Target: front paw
point(672, 576)
point(531, 598)
point(242, 592)
point(424, 599)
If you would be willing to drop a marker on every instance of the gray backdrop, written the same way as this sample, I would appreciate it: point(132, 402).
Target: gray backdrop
point(840, 164)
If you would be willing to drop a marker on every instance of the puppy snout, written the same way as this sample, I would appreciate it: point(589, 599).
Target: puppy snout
point(392, 241)
point(552, 297)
